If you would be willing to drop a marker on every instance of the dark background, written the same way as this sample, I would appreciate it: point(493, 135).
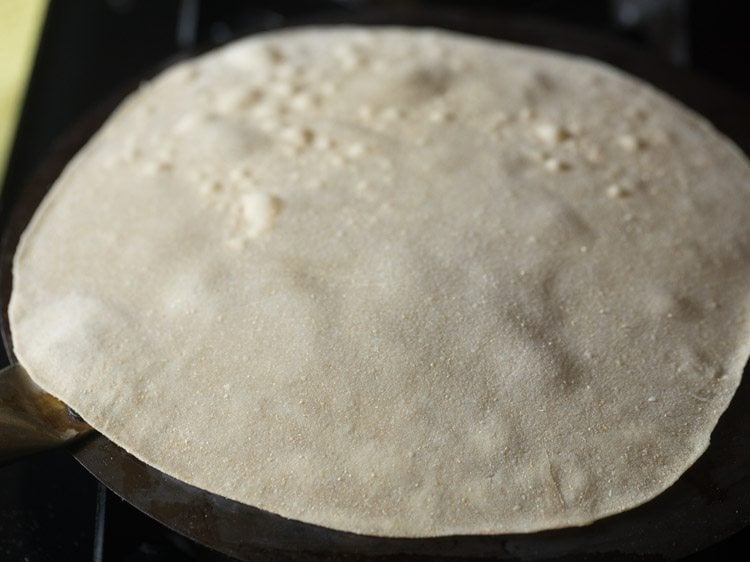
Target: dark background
point(50, 508)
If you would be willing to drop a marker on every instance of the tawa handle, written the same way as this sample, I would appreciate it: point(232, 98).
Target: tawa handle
point(32, 420)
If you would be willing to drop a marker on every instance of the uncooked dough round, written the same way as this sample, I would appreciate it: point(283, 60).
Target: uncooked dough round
point(397, 282)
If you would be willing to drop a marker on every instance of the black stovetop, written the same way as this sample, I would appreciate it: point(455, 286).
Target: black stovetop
point(51, 509)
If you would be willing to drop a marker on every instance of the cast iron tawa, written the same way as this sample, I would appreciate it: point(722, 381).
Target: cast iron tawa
point(708, 503)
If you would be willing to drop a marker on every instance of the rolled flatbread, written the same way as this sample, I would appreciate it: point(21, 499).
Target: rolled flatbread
point(397, 282)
